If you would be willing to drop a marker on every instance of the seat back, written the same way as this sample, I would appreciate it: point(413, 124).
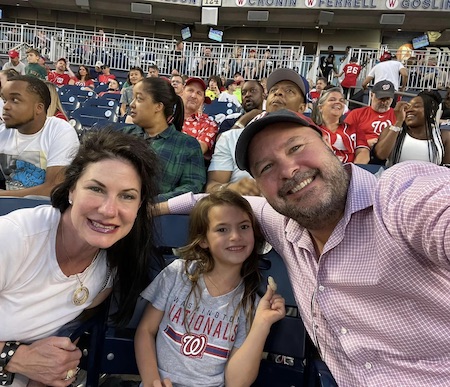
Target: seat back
point(9, 204)
point(69, 102)
point(102, 103)
point(218, 111)
point(84, 118)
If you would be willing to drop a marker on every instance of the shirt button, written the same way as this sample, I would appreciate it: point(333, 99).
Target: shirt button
point(368, 366)
point(321, 288)
point(344, 331)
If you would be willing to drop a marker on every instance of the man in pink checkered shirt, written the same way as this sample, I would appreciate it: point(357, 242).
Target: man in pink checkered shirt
point(368, 259)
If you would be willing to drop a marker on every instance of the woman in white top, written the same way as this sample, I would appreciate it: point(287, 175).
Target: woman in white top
point(415, 135)
point(58, 260)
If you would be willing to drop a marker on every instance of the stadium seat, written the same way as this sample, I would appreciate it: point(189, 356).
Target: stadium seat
point(111, 96)
point(102, 103)
point(84, 118)
point(69, 102)
point(101, 87)
point(218, 111)
point(65, 89)
point(8, 204)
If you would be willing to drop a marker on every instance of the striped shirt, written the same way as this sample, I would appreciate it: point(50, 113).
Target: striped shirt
point(377, 300)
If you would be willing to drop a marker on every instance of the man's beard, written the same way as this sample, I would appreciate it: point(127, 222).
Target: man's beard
point(331, 199)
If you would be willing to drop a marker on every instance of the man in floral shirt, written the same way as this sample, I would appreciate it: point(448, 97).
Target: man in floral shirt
point(196, 123)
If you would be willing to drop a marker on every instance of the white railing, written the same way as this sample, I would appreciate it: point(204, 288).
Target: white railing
point(427, 69)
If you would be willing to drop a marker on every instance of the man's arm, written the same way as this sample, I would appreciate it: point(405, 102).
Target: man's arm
point(53, 176)
point(366, 82)
point(404, 74)
point(216, 179)
point(362, 156)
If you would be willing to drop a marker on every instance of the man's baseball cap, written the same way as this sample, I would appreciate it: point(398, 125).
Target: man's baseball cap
point(384, 89)
point(202, 85)
point(99, 63)
point(279, 75)
point(62, 60)
point(385, 56)
point(259, 123)
point(13, 54)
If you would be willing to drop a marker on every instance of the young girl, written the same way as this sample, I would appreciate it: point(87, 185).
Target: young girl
point(200, 327)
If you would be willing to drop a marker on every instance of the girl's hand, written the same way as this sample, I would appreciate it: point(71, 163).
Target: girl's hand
point(400, 112)
point(271, 308)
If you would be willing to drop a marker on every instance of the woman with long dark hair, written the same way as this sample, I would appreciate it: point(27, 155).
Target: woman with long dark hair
point(58, 260)
point(415, 135)
point(158, 114)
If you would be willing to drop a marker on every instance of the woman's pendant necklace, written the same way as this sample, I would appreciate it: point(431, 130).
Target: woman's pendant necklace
point(81, 294)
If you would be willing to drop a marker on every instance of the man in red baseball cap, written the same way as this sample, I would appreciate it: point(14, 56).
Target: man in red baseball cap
point(196, 123)
point(14, 62)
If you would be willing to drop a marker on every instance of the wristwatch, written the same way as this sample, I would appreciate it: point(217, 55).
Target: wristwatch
point(395, 128)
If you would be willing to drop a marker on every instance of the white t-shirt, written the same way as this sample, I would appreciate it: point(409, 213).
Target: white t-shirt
point(389, 70)
point(226, 97)
point(20, 67)
point(35, 295)
point(224, 156)
point(24, 158)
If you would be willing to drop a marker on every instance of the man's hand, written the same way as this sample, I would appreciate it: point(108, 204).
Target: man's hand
point(245, 186)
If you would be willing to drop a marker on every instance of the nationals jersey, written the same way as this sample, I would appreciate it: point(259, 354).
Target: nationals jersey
point(351, 72)
point(345, 141)
point(370, 121)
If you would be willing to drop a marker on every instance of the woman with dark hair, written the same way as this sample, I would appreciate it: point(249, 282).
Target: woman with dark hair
point(415, 135)
point(158, 114)
point(134, 76)
point(82, 78)
point(348, 142)
point(58, 260)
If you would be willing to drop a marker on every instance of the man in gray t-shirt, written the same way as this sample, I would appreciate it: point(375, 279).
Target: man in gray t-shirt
point(14, 62)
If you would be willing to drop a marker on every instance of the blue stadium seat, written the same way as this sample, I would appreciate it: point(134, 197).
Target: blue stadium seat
point(101, 87)
point(218, 111)
point(8, 204)
point(69, 102)
point(102, 103)
point(84, 118)
point(111, 96)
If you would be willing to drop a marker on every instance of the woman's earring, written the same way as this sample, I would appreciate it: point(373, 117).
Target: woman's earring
point(70, 201)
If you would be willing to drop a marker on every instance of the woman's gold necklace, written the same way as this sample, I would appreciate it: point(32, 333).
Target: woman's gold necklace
point(81, 293)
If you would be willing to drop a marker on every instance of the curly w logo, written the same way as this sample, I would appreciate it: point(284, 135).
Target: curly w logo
point(193, 345)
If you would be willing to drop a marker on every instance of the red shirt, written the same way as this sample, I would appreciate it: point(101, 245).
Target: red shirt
point(203, 129)
point(370, 121)
point(314, 95)
point(58, 79)
point(103, 78)
point(88, 83)
point(345, 141)
point(351, 72)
